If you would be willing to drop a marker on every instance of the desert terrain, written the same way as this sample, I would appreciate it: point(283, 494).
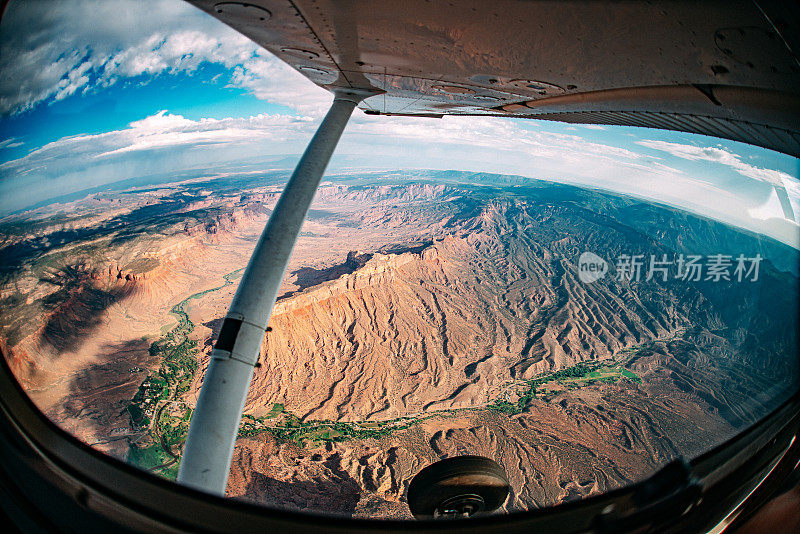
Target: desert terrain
point(424, 314)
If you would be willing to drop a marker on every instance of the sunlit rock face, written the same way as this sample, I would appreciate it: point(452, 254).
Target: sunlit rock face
point(422, 316)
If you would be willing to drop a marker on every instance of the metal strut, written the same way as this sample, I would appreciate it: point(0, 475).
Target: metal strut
point(209, 446)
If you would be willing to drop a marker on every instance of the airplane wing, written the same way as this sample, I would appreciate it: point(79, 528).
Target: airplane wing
point(730, 69)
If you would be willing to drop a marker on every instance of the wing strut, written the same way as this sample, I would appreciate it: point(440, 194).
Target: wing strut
point(215, 421)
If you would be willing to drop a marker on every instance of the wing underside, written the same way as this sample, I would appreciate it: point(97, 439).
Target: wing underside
point(728, 69)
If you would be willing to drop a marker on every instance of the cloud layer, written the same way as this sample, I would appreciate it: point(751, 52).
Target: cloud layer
point(721, 156)
point(52, 50)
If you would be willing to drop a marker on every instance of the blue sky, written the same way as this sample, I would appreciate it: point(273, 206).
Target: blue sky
point(95, 92)
point(194, 96)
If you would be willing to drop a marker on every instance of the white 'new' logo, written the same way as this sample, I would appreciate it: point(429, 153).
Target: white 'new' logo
point(591, 267)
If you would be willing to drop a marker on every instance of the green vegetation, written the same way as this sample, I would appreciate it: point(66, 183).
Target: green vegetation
point(152, 456)
point(316, 431)
point(276, 409)
point(287, 426)
point(582, 374)
point(506, 407)
point(157, 406)
point(631, 375)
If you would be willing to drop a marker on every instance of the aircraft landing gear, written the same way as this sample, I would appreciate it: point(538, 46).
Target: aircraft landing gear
point(462, 486)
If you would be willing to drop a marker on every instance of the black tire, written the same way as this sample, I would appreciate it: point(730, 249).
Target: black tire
point(458, 487)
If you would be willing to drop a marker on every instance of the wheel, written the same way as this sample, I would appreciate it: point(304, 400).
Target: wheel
point(461, 486)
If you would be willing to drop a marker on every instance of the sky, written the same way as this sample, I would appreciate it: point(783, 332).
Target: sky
point(96, 92)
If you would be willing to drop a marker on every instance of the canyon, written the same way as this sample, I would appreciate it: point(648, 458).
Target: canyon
point(424, 314)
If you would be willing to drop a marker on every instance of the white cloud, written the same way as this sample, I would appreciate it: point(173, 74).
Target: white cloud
point(168, 131)
point(49, 51)
point(721, 156)
point(12, 142)
point(163, 144)
point(159, 131)
point(494, 133)
point(450, 139)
